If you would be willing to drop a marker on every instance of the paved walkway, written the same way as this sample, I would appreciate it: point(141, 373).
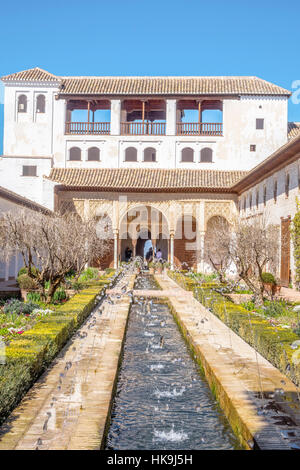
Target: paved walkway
point(68, 406)
point(241, 376)
point(291, 295)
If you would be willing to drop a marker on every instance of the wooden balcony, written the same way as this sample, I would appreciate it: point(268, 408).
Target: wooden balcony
point(85, 128)
point(200, 128)
point(143, 128)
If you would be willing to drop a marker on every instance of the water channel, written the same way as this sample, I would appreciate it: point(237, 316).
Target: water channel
point(162, 400)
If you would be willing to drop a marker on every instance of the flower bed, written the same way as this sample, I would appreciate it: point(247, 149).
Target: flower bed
point(274, 342)
point(27, 356)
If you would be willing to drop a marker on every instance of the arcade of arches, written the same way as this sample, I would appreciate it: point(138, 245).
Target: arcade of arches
point(175, 225)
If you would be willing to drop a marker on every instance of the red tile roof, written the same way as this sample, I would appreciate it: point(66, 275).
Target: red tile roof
point(146, 180)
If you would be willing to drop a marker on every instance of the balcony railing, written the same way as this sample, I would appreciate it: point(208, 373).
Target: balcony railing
point(199, 128)
point(143, 128)
point(83, 128)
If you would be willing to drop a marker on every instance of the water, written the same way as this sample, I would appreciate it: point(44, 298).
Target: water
point(162, 401)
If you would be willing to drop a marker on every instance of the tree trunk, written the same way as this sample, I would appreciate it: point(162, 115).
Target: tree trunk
point(52, 288)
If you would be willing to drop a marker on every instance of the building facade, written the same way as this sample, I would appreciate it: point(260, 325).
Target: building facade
point(133, 149)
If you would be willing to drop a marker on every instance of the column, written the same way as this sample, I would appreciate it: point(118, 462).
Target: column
point(172, 251)
point(171, 117)
point(134, 242)
point(200, 266)
point(200, 216)
point(115, 249)
point(153, 245)
point(115, 117)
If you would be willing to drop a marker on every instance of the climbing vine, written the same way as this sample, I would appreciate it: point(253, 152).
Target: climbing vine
point(295, 231)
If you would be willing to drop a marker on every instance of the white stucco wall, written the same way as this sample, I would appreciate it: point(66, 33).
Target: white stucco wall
point(273, 210)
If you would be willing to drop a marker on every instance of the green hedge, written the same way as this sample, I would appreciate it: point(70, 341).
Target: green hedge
point(272, 343)
point(29, 355)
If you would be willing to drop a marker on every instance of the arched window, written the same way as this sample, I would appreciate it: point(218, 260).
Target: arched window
point(275, 191)
point(40, 104)
point(149, 155)
point(265, 195)
point(22, 104)
point(206, 155)
point(287, 184)
point(75, 154)
point(187, 155)
point(131, 154)
point(93, 154)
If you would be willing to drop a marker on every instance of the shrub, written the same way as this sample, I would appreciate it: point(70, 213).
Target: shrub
point(59, 295)
point(26, 282)
point(19, 308)
point(111, 270)
point(25, 270)
point(89, 273)
point(268, 278)
point(275, 309)
point(34, 296)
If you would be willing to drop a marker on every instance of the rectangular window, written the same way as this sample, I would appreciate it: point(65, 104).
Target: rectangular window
point(259, 123)
point(29, 170)
point(252, 148)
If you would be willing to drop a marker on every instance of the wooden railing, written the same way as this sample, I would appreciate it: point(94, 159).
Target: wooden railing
point(199, 128)
point(83, 128)
point(143, 128)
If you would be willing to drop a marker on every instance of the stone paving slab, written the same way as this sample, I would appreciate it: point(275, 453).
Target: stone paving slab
point(69, 405)
point(238, 375)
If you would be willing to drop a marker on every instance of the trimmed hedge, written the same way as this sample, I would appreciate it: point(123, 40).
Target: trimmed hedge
point(272, 343)
point(30, 354)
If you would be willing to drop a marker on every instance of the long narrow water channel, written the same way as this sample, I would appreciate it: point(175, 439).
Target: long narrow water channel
point(162, 401)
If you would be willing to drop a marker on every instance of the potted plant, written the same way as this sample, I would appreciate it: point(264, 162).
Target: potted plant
point(269, 282)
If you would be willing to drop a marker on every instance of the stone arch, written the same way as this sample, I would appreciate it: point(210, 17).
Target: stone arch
point(141, 223)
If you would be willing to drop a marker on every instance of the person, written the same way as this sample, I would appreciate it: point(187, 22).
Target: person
point(149, 255)
point(159, 255)
point(128, 253)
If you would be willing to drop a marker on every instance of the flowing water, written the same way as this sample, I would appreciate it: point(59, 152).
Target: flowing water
point(162, 401)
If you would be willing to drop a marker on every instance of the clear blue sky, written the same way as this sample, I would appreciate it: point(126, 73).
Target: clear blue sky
point(157, 37)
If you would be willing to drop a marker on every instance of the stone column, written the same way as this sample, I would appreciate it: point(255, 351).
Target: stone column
point(171, 117)
point(115, 117)
point(115, 249)
point(134, 242)
point(172, 251)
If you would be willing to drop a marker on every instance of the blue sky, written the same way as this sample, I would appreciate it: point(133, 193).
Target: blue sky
point(165, 37)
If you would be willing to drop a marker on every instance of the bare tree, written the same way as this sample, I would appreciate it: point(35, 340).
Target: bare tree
point(253, 248)
point(52, 245)
point(216, 246)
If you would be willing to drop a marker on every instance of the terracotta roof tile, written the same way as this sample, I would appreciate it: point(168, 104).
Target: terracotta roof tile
point(293, 129)
point(153, 85)
point(149, 180)
point(31, 75)
point(170, 86)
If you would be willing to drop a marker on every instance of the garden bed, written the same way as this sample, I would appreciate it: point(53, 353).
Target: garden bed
point(274, 342)
point(27, 356)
